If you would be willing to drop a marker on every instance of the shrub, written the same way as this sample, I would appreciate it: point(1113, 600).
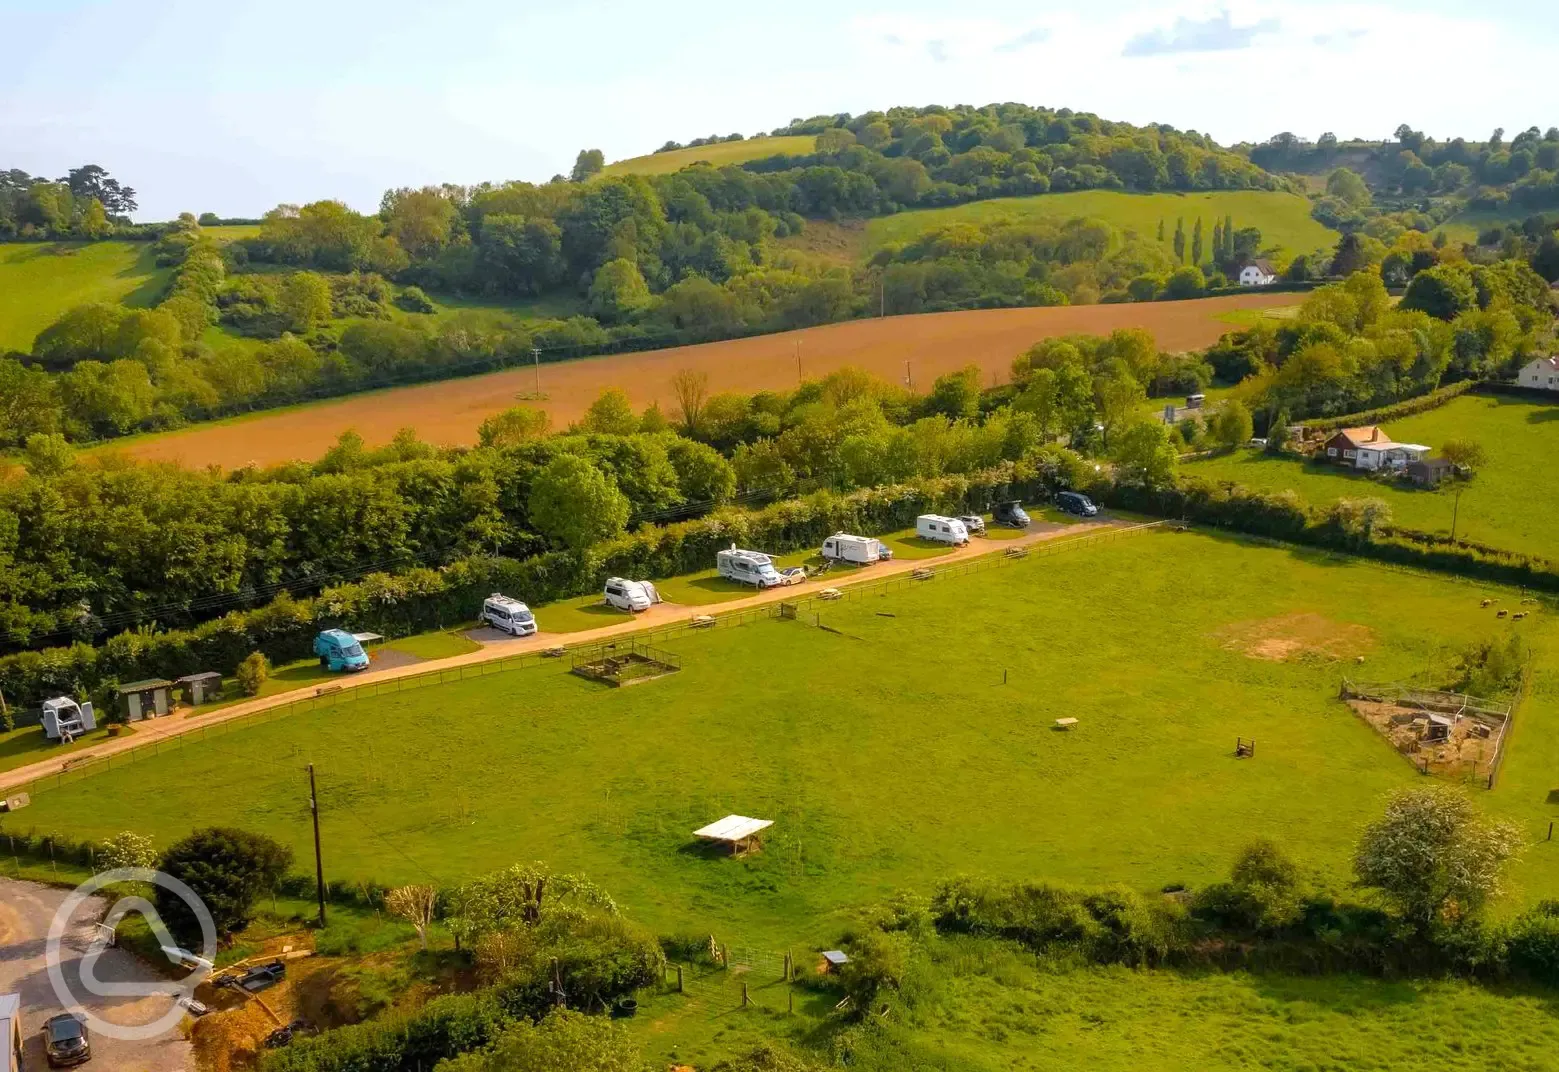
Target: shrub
point(1532, 944)
point(252, 673)
point(227, 869)
point(413, 300)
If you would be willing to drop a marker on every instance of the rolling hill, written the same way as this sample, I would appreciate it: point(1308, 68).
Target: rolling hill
point(40, 280)
point(721, 154)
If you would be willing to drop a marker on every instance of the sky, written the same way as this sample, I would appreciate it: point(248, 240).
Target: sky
point(235, 107)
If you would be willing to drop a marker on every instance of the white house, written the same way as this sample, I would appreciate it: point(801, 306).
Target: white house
point(1258, 274)
point(1542, 374)
point(1371, 448)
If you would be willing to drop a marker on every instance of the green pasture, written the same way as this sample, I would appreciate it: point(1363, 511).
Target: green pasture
point(723, 154)
point(1511, 503)
point(1284, 218)
point(41, 280)
point(888, 751)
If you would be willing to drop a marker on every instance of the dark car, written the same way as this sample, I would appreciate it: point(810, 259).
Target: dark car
point(974, 523)
point(65, 1041)
point(1011, 513)
point(1075, 502)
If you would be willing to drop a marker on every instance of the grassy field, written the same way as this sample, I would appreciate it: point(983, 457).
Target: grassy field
point(40, 280)
point(1510, 503)
point(889, 753)
point(1284, 218)
point(721, 155)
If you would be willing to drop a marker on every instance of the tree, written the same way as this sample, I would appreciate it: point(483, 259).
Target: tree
point(1161, 229)
point(957, 394)
point(1545, 259)
point(126, 849)
point(691, 387)
point(1348, 186)
point(94, 221)
point(82, 333)
point(1228, 252)
point(563, 1040)
point(1180, 241)
point(252, 673)
point(1445, 293)
point(1196, 242)
point(1119, 397)
point(1144, 454)
point(703, 474)
point(227, 869)
point(575, 504)
point(47, 456)
point(1231, 426)
point(618, 291)
point(91, 182)
point(877, 963)
point(1185, 282)
point(1433, 857)
point(1466, 453)
point(589, 162)
point(415, 905)
point(422, 221)
point(610, 413)
point(512, 426)
point(304, 300)
point(1277, 432)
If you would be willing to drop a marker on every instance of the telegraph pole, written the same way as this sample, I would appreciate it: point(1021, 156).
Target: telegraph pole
point(319, 862)
point(798, 362)
point(1456, 505)
point(909, 376)
point(535, 354)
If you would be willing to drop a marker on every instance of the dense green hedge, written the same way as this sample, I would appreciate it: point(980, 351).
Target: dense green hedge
point(423, 599)
point(1406, 408)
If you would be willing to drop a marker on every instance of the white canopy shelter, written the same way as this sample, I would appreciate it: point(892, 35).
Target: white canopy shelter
point(738, 831)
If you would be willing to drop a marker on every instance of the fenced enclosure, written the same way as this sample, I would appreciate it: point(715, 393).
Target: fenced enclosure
point(630, 662)
point(1446, 733)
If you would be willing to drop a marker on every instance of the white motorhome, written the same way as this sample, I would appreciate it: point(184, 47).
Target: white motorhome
point(842, 547)
point(941, 529)
point(508, 615)
point(748, 567)
point(64, 719)
point(10, 1033)
point(631, 595)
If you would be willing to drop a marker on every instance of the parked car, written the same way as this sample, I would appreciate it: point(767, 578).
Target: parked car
point(793, 575)
point(974, 523)
point(1011, 514)
point(65, 1041)
point(339, 650)
point(941, 529)
point(1075, 502)
point(508, 615)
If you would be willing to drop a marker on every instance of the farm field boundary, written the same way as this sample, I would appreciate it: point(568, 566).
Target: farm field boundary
point(336, 695)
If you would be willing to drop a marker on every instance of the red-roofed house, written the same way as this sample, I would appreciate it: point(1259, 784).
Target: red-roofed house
point(1371, 448)
point(1542, 374)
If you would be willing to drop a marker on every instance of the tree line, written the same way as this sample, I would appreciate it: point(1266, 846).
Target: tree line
point(86, 203)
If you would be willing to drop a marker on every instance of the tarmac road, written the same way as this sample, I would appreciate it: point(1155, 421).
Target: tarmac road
point(26, 910)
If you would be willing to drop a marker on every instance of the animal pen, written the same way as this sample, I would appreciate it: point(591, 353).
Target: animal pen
point(631, 662)
point(1445, 733)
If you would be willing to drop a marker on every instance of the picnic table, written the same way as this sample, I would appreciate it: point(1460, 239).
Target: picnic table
point(1065, 723)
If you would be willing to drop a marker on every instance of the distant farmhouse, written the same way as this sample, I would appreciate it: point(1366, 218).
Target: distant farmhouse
point(1371, 448)
point(1542, 373)
point(1258, 273)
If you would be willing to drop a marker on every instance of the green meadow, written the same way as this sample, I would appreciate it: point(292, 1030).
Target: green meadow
point(722, 154)
point(41, 280)
point(1511, 502)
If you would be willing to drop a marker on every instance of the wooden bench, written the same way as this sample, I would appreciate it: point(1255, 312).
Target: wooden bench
point(1065, 723)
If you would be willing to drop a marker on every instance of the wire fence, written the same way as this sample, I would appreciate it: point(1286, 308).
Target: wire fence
point(327, 697)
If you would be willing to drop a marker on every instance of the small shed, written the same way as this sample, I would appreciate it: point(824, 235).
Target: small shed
point(146, 699)
point(833, 960)
point(1427, 472)
point(737, 831)
point(201, 688)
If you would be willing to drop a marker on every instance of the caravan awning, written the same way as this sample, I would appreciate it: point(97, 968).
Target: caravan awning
point(733, 828)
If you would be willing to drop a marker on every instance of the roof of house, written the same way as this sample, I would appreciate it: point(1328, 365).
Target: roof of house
point(1372, 436)
point(142, 686)
point(1432, 463)
point(733, 828)
point(205, 675)
point(1551, 362)
point(1262, 265)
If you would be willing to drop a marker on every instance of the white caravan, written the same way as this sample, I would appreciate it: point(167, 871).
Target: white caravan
point(941, 529)
point(64, 719)
point(842, 547)
point(748, 567)
point(508, 615)
point(631, 595)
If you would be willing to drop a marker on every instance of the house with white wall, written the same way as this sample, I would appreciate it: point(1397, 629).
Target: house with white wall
point(1258, 273)
point(1542, 374)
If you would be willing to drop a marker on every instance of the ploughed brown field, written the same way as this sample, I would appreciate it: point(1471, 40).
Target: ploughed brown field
point(450, 411)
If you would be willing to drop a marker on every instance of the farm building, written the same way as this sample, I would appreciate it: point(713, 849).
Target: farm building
point(1427, 472)
point(1371, 448)
point(1543, 374)
point(736, 831)
point(146, 699)
point(201, 688)
point(1258, 273)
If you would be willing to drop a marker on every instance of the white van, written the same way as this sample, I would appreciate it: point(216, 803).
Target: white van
point(748, 567)
point(842, 547)
point(941, 529)
point(508, 615)
point(631, 596)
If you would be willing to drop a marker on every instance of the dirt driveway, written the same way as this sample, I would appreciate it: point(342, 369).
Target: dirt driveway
point(26, 910)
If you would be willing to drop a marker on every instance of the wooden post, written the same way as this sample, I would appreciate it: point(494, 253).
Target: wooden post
point(1550, 831)
point(744, 993)
point(786, 974)
point(791, 994)
point(1004, 675)
point(679, 979)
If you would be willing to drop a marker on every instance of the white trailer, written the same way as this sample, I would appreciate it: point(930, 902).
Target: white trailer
point(10, 1033)
point(632, 596)
point(64, 719)
point(843, 547)
point(508, 615)
point(941, 529)
point(748, 567)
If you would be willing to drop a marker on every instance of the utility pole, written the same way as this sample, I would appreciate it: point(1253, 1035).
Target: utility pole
point(882, 297)
point(1456, 505)
point(909, 376)
point(535, 353)
point(319, 862)
point(798, 363)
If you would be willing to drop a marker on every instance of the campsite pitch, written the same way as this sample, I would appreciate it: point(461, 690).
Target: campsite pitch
point(886, 748)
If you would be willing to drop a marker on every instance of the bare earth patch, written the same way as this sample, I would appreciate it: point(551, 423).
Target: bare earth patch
point(1296, 635)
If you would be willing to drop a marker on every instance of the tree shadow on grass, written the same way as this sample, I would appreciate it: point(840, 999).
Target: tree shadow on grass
point(1313, 556)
